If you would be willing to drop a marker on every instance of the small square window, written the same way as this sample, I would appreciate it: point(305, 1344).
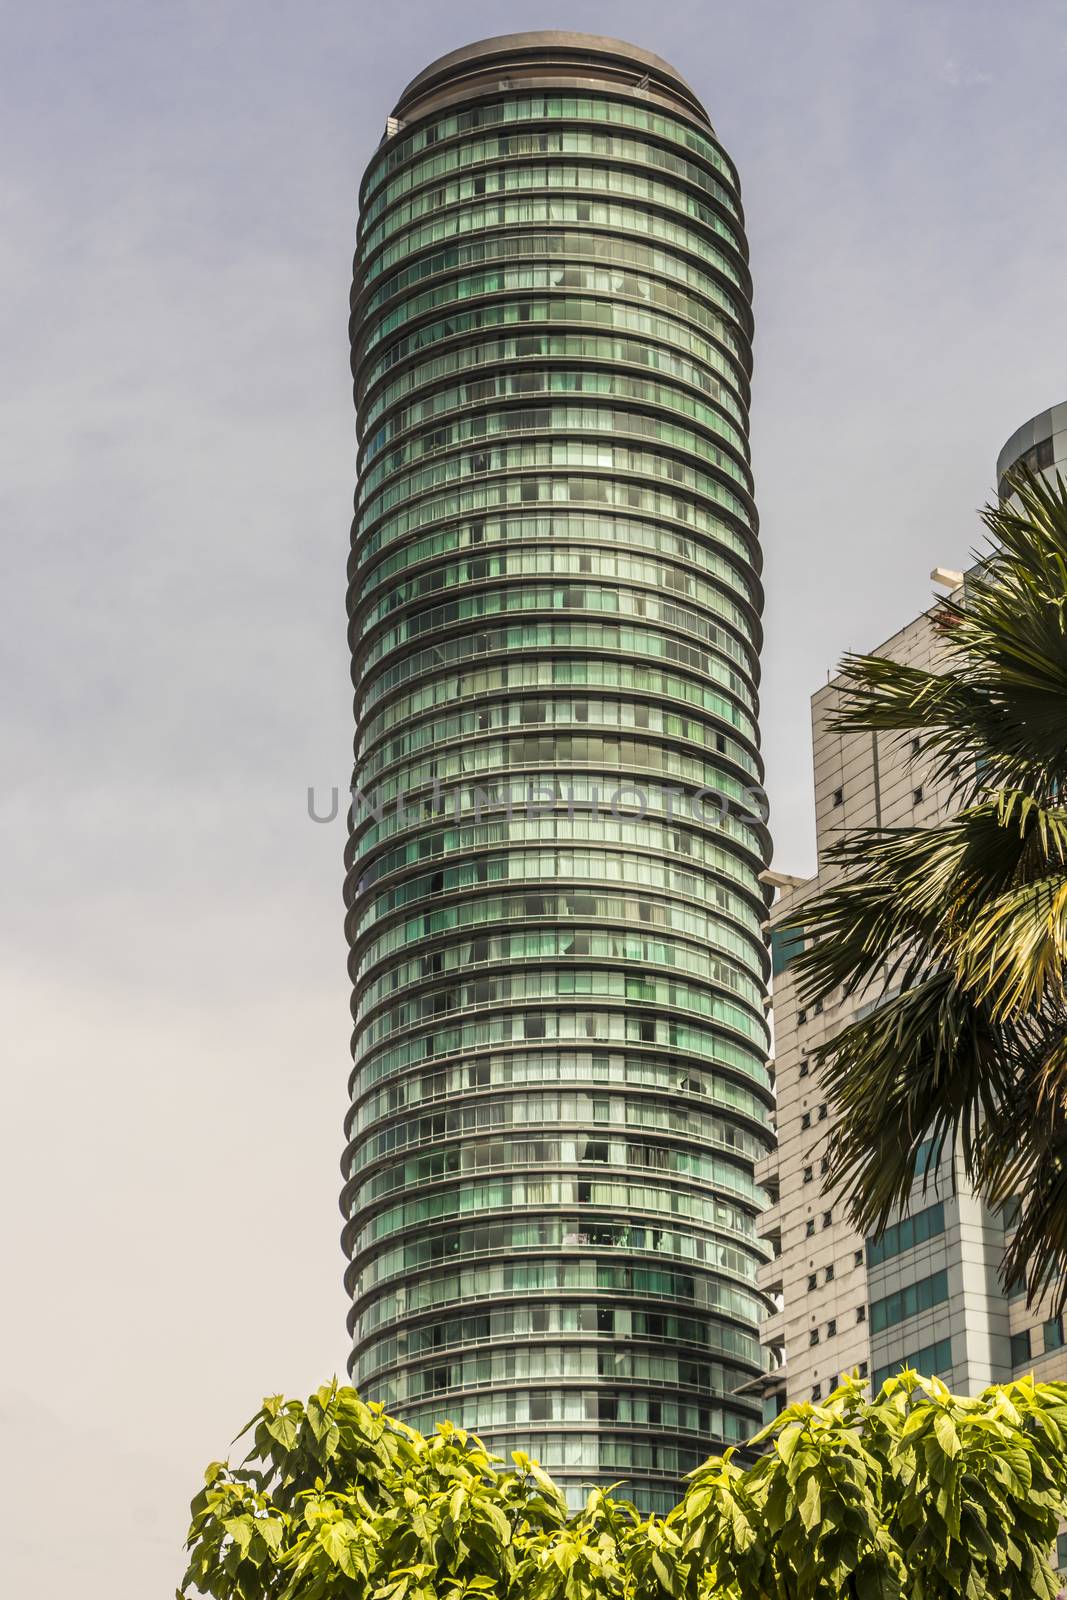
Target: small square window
point(824, 1167)
point(822, 1112)
point(1020, 1347)
point(830, 1273)
point(802, 1015)
point(1053, 1334)
point(804, 1069)
point(813, 1337)
point(861, 1316)
point(816, 1393)
point(857, 1258)
point(916, 746)
point(917, 796)
point(864, 1369)
point(839, 797)
point(813, 1281)
point(831, 1327)
point(809, 1227)
point(808, 1174)
point(827, 1218)
point(805, 1121)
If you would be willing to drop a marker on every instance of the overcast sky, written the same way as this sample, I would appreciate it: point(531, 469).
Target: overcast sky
point(179, 193)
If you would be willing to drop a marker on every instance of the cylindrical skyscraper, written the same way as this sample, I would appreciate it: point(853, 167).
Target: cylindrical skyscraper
point(559, 1086)
point(1040, 444)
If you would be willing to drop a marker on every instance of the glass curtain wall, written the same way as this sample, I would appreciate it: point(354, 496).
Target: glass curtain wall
point(559, 1087)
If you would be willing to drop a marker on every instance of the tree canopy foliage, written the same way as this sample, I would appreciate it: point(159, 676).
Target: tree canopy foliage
point(961, 928)
point(916, 1495)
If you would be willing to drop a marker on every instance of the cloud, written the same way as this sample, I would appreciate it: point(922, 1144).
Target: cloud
point(958, 77)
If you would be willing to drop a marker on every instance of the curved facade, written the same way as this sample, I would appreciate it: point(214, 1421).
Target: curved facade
point(554, 912)
point(1040, 444)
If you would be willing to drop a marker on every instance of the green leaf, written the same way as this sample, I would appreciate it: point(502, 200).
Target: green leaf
point(810, 1505)
point(947, 1437)
point(335, 1537)
point(664, 1573)
point(240, 1530)
point(284, 1430)
point(272, 1531)
point(788, 1440)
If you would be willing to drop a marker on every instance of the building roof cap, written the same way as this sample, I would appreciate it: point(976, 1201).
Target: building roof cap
point(549, 48)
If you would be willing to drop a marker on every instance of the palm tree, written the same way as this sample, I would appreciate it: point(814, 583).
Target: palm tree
point(964, 925)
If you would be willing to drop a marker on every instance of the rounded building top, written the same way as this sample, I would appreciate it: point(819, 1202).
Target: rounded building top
point(549, 56)
point(1039, 444)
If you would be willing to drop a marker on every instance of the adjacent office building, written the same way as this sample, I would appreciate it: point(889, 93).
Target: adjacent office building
point(559, 1089)
point(927, 1293)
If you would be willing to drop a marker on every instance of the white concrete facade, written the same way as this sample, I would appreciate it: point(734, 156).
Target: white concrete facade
point(841, 1307)
point(821, 1274)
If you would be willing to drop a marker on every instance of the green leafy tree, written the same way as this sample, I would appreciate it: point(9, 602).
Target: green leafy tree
point(807, 1520)
point(336, 1499)
point(962, 927)
point(918, 1495)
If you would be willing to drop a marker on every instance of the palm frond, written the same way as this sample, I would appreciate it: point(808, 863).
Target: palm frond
point(1031, 1171)
point(959, 932)
point(955, 722)
point(998, 716)
point(924, 1068)
point(1012, 956)
point(909, 893)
